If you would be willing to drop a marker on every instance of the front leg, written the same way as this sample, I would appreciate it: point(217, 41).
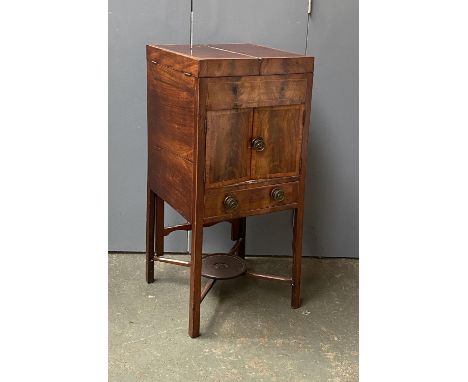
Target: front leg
point(297, 257)
point(195, 279)
point(150, 212)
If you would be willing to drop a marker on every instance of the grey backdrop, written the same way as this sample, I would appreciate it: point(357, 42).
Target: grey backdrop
point(331, 223)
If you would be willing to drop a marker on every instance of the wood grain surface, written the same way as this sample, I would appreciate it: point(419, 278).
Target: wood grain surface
point(255, 91)
point(252, 201)
point(281, 129)
point(206, 104)
point(227, 146)
point(218, 60)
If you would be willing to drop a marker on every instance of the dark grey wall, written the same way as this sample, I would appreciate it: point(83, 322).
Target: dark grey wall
point(331, 226)
point(132, 25)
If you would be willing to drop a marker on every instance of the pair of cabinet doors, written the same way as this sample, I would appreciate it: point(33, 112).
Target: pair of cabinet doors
point(253, 144)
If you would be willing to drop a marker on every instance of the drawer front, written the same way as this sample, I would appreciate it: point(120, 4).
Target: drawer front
point(224, 203)
point(255, 91)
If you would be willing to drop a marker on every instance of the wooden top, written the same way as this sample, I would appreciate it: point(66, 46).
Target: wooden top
point(218, 60)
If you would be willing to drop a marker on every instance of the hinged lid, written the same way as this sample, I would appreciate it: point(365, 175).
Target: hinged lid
point(219, 60)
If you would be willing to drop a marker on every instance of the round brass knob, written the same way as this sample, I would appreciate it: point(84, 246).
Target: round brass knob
point(277, 194)
point(230, 203)
point(258, 144)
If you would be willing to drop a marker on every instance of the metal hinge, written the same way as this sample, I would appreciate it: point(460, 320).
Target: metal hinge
point(206, 126)
point(303, 117)
point(309, 7)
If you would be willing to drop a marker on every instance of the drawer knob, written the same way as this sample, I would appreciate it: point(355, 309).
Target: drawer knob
point(231, 203)
point(258, 144)
point(277, 194)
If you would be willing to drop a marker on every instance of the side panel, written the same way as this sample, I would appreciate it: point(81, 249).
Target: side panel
point(171, 110)
point(170, 176)
point(171, 136)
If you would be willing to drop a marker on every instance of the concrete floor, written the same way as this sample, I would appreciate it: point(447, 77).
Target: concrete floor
point(248, 330)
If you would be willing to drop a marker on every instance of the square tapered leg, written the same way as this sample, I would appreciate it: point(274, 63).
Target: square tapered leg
point(195, 280)
point(159, 226)
point(238, 227)
point(297, 257)
point(150, 222)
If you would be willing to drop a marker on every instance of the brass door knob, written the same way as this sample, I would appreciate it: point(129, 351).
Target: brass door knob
point(258, 144)
point(230, 203)
point(277, 194)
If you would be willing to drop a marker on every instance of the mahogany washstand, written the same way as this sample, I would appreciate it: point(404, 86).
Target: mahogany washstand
point(227, 138)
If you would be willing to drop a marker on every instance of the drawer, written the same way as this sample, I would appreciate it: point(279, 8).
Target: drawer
point(255, 91)
point(226, 203)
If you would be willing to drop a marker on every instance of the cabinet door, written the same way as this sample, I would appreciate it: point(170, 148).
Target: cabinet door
point(280, 129)
point(227, 146)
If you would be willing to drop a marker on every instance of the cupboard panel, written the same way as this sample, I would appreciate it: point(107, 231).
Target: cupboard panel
point(280, 129)
point(227, 146)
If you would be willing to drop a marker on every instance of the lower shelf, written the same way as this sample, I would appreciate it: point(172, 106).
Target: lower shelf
point(222, 266)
